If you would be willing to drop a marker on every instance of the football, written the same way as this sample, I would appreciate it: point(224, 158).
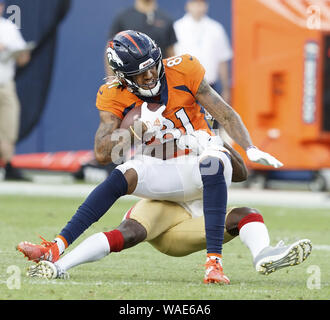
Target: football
point(135, 114)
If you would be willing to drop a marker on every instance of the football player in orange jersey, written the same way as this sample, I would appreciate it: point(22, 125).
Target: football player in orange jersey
point(143, 77)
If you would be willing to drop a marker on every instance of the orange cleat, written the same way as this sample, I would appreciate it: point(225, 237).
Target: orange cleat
point(214, 272)
point(47, 250)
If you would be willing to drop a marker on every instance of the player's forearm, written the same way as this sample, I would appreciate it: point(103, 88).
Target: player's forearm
point(235, 128)
point(224, 114)
point(112, 147)
point(107, 137)
point(103, 148)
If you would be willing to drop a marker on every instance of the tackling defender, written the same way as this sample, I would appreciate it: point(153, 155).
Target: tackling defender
point(179, 230)
point(177, 83)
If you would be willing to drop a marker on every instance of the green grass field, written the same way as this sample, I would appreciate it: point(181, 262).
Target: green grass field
point(144, 273)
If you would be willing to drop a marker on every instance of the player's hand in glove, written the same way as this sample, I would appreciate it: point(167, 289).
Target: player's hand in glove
point(258, 156)
point(200, 140)
point(152, 119)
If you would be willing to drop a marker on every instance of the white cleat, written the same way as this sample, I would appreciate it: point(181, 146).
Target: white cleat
point(271, 259)
point(47, 270)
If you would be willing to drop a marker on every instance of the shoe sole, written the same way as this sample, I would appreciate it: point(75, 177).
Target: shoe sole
point(43, 269)
point(294, 255)
point(307, 248)
point(209, 281)
point(225, 280)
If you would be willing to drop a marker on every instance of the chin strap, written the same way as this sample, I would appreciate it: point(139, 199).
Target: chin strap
point(134, 88)
point(150, 92)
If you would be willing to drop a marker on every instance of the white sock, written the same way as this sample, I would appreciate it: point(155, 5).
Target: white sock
point(255, 236)
point(60, 245)
point(92, 249)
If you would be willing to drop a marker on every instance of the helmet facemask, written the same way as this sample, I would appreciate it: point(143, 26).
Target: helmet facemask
point(146, 91)
point(132, 53)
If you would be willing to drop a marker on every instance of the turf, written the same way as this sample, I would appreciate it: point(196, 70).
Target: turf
point(142, 273)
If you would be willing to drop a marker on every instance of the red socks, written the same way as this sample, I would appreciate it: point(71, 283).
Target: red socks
point(251, 217)
point(116, 240)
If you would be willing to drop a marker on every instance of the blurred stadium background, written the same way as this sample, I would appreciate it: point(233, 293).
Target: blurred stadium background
point(280, 84)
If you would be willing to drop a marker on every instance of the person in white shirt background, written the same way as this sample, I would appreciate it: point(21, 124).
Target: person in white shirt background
point(206, 39)
point(12, 53)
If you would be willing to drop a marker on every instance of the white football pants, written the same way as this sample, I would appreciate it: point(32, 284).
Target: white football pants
point(177, 179)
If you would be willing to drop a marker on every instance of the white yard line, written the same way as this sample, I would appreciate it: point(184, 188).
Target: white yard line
point(283, 198)
point(322, 247)
point(49, 190)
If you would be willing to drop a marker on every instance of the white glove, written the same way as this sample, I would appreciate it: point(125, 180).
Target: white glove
point(258, 156)
point(198, 141)
point(152, 119)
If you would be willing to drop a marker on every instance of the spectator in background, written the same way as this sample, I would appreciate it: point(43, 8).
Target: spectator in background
point(146, 17)
point(206, 39)
point(12, 53)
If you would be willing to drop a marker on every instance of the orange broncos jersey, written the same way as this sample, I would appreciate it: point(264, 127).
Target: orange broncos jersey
point(183, 76)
